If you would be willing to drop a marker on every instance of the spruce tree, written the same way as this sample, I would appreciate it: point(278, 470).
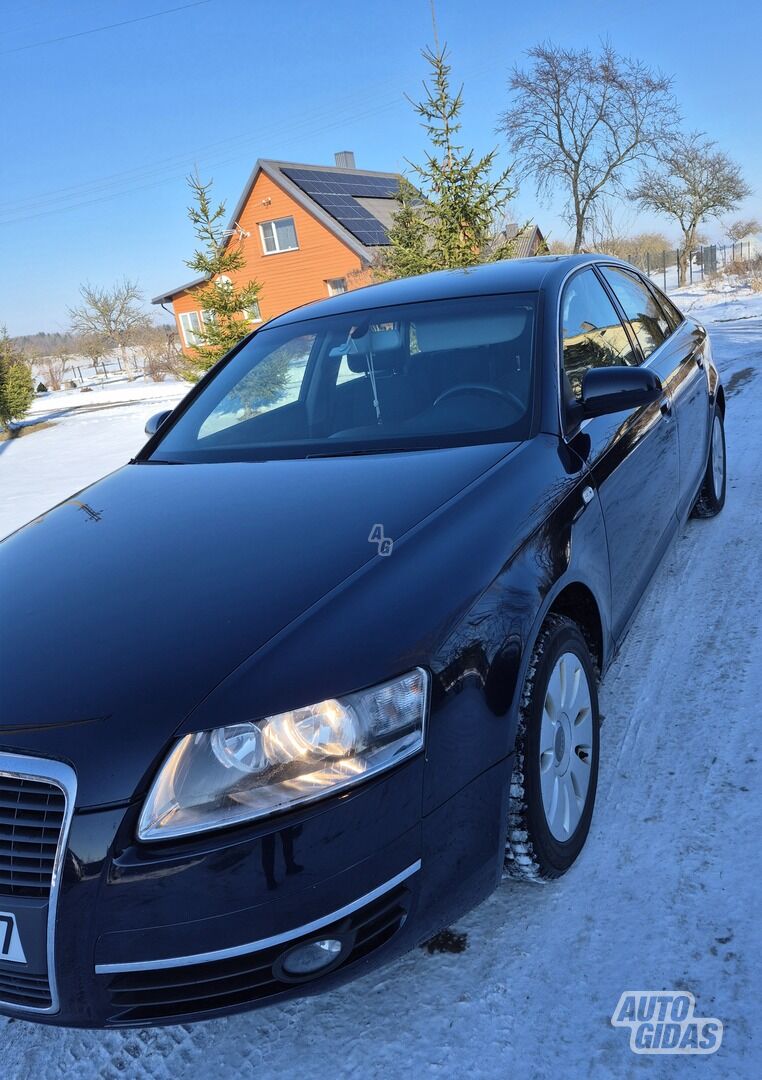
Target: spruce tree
point(447, 217)
point(225, 304)
point(16, 383)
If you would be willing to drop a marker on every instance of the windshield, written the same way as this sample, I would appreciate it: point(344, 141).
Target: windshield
point(434, 374)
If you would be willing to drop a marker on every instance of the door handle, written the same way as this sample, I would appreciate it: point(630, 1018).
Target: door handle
point(665, 406)
point(699, 360)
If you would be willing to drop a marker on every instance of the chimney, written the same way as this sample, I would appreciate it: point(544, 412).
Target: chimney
point(345, 159)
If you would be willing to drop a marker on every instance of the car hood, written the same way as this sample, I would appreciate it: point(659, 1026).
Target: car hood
point(124, 606)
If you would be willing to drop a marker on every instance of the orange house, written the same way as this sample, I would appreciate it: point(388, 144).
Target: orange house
point(307, 231)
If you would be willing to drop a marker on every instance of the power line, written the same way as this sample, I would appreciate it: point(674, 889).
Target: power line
point(208, 152)
point(174, 170)
point(100, 29)
point(383, 92)
point(147, 183)
point(214, 154)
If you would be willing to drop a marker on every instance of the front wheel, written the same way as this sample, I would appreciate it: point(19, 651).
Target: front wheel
point(555, 773)
point(712, 495)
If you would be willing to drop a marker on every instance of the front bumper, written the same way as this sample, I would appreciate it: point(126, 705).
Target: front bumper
point(167, 933)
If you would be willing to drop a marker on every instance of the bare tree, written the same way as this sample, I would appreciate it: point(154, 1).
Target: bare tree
point(93, 347)
point(54, 367)
point(613, 234)
point(606, 232)
point(693, 182)
point(743, 228)
point(115, 314)
point(578, 122)
point(161, 352)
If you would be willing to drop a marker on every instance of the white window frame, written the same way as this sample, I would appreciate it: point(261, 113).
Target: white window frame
point(277, 250)
point(253, 313)
point(330, 284)
point(189, 333)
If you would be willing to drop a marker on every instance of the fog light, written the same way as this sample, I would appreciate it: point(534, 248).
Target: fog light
point(312, 957)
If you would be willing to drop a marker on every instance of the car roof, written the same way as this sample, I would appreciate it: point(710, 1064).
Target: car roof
point(509, 275)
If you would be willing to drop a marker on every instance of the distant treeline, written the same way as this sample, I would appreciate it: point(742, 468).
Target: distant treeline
point(48, 344)
point(43, 344)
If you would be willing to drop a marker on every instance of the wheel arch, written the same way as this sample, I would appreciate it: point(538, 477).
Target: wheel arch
point(721, 400)
point(576, 601)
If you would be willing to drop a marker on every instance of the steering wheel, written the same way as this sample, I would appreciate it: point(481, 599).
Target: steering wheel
point(479, 388)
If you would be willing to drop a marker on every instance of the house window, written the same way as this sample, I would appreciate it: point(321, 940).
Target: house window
point(252, 312)
point(190, 324)
point(336, 285)
point(278, 235)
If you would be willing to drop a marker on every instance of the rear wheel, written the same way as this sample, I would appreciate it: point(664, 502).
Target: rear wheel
point(556, 763)
point(712, 495)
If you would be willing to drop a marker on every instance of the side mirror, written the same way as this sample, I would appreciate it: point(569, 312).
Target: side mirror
point(156, 421)
point(613, 389)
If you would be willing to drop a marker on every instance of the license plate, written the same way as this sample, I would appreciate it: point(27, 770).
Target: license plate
point(11, 948)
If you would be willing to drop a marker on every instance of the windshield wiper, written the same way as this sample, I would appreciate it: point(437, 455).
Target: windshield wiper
point(155, 461)
point(363, 451)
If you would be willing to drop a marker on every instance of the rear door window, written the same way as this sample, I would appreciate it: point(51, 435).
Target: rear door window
point(645, 316)
point(674, 316)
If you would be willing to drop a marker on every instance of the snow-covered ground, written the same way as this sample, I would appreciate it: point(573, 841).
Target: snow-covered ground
point(664, 896)
point(722, 301)
point(90, 434)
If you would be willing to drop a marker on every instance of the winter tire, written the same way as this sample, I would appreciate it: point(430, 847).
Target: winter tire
point(555, 772)
point(712, 495)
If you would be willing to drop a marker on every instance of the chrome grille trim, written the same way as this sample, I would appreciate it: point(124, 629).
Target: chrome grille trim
point(262, 943)
point(62, 776)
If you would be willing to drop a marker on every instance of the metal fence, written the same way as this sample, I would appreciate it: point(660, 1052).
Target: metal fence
point(666, 269)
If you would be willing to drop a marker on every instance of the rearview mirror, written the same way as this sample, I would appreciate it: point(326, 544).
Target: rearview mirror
point(613, 389)
point(156, 421)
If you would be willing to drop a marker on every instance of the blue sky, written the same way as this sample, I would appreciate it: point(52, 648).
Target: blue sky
point(99, 130)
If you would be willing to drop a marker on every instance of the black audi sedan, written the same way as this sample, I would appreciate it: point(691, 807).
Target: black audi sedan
point(299, 684)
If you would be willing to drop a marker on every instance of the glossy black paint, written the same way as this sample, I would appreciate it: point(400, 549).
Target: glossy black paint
point(616, 389)
point(154, 422)
point(178, 598)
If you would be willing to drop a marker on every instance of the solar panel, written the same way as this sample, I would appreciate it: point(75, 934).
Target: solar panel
point(336, 192)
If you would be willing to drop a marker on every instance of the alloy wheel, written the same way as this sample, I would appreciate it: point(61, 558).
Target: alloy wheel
point(718, 456)
point(566, 746)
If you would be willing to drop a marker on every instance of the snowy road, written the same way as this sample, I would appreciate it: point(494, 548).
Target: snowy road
point(662, 897)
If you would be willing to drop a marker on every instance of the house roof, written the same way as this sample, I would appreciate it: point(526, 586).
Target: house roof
point(524, 237)
point(355, 204)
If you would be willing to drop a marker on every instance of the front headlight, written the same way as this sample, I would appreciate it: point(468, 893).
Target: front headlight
point(212, 779)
